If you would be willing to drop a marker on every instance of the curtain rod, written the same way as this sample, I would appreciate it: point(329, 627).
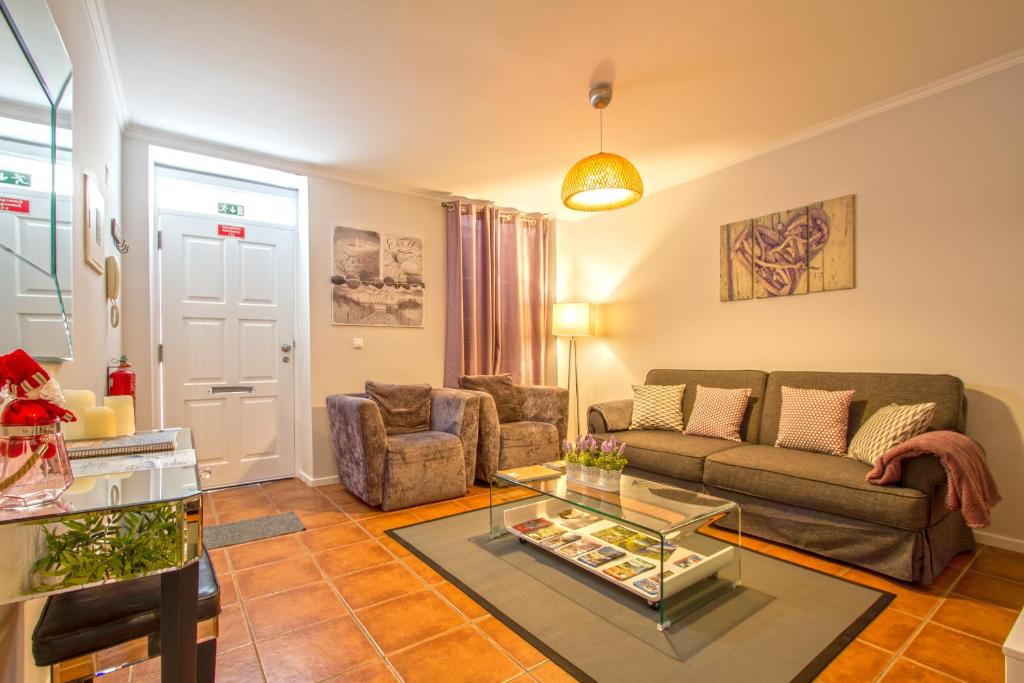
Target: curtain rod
point(450, 206)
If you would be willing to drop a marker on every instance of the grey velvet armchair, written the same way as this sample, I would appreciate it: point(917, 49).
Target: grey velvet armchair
point(532, 440)
point(402, 470)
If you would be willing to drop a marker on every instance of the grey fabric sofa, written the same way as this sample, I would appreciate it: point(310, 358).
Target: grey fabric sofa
point(402, 470)
point(535, 439)
point(813, 501)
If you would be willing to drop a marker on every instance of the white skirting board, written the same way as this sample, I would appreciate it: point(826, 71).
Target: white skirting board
point(1005, 542)
point(317, 481)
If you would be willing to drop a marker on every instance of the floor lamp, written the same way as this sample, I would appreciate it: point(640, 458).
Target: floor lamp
point(573, 320)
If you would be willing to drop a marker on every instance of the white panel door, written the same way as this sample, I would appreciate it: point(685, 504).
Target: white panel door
point(30, 314)
point(227, 303)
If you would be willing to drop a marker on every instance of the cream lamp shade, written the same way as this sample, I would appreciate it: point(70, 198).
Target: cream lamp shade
point(572, 320)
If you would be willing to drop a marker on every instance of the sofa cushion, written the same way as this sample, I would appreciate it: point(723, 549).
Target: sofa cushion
point(818, 482)
point(669, 453)
point(725, 379)
point(718, 413)
point(888, 427)
point(404, 408)
point(814, 420)
point(657, 406)
point(872, 391)
point(501, 389)
point(527, 443)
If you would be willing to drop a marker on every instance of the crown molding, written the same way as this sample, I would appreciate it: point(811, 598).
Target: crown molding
point(96, 12)
point(185, 143)
point(974, 73)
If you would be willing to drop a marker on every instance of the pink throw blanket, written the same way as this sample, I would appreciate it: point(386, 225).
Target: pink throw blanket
point(971, 489)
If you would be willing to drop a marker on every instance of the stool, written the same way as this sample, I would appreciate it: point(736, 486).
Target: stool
point(98, 630)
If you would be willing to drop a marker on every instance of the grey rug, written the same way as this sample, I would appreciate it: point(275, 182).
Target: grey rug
point(785, 623)
point(247, 530)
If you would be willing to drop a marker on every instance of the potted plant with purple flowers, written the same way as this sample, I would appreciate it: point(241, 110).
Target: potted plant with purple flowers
point(596, 465)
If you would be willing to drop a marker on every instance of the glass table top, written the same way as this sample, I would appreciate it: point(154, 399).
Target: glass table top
point(653, 506)
point(121, 481)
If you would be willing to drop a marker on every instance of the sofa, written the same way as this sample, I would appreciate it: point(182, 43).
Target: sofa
point(817, 502)
point(402, 470)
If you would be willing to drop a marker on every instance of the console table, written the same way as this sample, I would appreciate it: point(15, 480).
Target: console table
point(117, 493)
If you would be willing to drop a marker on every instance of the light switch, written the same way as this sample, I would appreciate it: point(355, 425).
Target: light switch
point(357, 342)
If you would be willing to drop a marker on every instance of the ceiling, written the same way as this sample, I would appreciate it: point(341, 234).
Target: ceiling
point(488, 99)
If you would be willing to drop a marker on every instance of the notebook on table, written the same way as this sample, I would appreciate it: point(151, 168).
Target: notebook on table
point(150, 442)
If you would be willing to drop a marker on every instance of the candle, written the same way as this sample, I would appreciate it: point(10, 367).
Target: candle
point(77, 400)
point(100, 423)
point(124, 410)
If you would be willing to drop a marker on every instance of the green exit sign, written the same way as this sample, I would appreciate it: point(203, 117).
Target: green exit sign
point(15, 178)
point(230, 209)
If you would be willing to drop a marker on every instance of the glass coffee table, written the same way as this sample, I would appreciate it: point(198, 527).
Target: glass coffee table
point(641, 537)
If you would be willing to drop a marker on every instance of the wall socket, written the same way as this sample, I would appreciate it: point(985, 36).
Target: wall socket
point(358, 343)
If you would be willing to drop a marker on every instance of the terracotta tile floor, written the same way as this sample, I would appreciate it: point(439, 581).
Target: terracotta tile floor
point(342, 602)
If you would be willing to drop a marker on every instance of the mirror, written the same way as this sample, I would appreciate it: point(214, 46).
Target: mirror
point(36, 183)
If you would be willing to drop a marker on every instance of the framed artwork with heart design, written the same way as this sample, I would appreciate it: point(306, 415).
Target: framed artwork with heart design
point(799, 251)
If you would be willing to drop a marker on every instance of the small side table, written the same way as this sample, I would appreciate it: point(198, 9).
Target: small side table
point(153, 488)
point(1013, 650)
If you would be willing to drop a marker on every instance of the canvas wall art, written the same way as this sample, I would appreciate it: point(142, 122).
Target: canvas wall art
point(377, 278)
point(799, 251)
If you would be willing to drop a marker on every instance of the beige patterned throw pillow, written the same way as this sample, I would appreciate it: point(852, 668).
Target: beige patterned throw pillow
point(718, 412)
point(888, 427)
point(814, 420)
point(658, 406)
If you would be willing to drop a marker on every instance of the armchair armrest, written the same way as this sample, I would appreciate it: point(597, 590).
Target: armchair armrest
point(360, 445)
point(545, 404)
point(458, 412)
point(611, 416)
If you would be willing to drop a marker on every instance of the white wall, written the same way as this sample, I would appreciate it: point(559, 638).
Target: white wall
point(391, 355)
point(940, 233)
point(97, 148)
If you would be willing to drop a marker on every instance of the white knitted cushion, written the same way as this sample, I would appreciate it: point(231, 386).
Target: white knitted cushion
point(658, 406)
point(888, 427)
point(718, 412)
point(814, 420)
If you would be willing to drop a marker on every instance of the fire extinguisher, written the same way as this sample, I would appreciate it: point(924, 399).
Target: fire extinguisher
point(121, 378)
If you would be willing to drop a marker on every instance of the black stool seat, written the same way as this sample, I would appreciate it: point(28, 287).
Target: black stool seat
point(85, 621)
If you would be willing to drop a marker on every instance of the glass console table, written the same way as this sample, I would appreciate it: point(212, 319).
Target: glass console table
point(641, 538)
point(124, 517)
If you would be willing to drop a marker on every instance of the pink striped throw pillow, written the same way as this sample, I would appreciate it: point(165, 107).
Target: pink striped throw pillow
point(718, 413)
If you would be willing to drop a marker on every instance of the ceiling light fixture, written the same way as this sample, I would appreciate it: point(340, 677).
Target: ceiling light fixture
point(601, 181)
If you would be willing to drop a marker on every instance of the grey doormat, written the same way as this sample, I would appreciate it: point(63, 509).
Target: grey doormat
point(785, 623)
point(247, 530)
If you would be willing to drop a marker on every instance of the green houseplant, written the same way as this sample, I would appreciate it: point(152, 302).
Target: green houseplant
point(597, 465)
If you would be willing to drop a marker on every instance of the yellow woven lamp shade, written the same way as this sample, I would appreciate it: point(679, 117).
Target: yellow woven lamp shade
point(600, 182)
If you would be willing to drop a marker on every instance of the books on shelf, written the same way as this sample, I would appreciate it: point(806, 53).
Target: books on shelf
point(557, 541)
point(614, 534)
point(546, 532)
point(652, 584)
point(596, 558)
point(556, 465)
point(629, 569)
point(688, 561)
point(577, 519)
point(578, 548)
point(532, 525)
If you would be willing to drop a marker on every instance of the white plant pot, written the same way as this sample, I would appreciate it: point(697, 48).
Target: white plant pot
point(591, 475)
point(609, 480)
point(574, 471)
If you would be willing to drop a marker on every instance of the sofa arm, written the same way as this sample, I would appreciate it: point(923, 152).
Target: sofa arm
point(360, 445)
point(545, 404)
point(458, 412)
point(925, 473)
point(611, 416)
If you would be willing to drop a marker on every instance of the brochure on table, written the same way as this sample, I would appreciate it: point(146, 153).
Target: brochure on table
point(616, 553)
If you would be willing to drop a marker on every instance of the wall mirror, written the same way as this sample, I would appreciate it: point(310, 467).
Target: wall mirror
point(36, 183)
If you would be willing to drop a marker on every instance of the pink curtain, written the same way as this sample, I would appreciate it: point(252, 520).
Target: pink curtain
point(497, 293)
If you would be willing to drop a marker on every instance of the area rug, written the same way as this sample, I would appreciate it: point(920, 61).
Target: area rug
point(785, 623)
point(247, 530)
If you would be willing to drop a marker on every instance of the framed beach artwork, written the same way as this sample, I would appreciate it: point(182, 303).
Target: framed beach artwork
point(377, 278)
point(93, 250)
point(800, 251)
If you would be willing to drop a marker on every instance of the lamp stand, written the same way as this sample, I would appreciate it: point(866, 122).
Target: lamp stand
point(574, 375)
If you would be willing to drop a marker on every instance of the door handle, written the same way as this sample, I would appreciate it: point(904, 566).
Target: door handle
point(286, 347)
point(232, 390)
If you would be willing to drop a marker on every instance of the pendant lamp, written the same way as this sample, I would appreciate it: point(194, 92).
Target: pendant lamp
point(601, 181)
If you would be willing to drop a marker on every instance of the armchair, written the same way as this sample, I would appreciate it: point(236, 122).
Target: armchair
point(532, 440)
point(402, 470)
